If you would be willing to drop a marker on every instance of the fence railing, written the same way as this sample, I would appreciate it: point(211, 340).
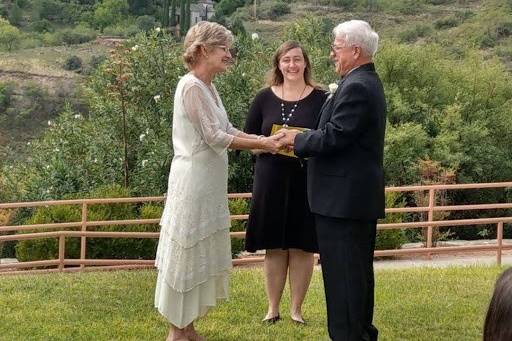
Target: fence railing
point(63, 264)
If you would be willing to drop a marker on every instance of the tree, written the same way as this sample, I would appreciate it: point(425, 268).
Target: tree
point(187, 16)
point(173, 13)
point(165, 14)
point(183, 13)
point(15, 14)
point(110, 12)
point(10, 36)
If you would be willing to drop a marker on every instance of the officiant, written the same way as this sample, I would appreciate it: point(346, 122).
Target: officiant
point(280, 220)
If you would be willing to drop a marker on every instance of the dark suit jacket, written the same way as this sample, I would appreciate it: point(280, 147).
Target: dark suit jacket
point(345, 166)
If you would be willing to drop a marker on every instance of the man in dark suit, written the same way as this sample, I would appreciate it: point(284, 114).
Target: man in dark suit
point(346, 181)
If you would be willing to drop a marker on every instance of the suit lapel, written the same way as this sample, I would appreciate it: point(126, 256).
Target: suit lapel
point(326, 107)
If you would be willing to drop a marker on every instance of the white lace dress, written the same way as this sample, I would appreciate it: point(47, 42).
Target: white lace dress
point(194, 251)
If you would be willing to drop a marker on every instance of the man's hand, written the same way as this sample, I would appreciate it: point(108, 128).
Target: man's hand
point(288, 138)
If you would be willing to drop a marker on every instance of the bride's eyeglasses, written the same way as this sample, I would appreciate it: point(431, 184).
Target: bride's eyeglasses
point(227, 49)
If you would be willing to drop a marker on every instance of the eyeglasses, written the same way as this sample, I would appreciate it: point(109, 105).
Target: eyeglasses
point(225, 48)
point(335, 48)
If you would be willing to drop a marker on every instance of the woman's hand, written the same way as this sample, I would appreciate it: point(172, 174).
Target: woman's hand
point(271, 143)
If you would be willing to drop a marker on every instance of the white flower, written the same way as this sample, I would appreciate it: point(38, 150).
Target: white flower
point(255, 36)
point(49, 123)
point(144, 163)
point(158, 29)
point(147, 131)
point(28, 143)
point(156, 98)
point(78, 116)
point(56, 150)
point(47, 191)
point(95, 160)
point(333, 87)
point(47, 166)
point(141, 137)
point(243, 74)
point(135, 47)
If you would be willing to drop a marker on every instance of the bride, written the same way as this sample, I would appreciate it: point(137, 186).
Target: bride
point(194, 251)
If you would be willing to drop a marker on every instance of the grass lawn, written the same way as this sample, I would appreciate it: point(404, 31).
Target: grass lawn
point(414, 304)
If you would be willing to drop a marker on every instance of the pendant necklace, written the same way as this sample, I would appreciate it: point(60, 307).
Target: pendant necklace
point(286, 117)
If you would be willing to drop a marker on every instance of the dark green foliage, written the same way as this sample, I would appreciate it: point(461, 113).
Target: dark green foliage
point(72, 63)
point(391, 239)
point(165, 13)
point(6, 93)
point(418, 31)
point(238, 206)
point(78, 35)
point(97, 248)
point(227, 7)
point(141, 7)
point(15, 15)
point(146, 22)
point(447, 22)
point(41, 26)
point(273, 11)
point(237, 27)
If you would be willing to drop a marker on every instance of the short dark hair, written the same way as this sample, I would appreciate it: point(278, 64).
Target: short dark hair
point(498, 326)
point(275, 76)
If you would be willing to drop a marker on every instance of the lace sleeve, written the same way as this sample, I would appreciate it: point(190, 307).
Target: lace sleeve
point(201, 113)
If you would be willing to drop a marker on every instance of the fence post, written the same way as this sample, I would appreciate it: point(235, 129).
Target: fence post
point(431, 203)
point(499, 239)
point(62, 248)
point(83, 239)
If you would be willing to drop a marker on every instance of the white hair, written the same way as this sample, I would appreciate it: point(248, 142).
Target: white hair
point(359, 33)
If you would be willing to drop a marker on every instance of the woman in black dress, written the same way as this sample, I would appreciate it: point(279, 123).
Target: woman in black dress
point(280, 220)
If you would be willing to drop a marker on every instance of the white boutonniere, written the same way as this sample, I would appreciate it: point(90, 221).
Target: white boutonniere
point(332, 89)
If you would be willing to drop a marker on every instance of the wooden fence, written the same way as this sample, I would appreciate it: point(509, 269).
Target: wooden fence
point(63, 264)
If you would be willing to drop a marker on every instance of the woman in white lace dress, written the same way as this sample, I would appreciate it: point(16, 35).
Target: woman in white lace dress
point(194, 250)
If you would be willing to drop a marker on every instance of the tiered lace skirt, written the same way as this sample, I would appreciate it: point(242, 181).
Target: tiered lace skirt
point(194, 251)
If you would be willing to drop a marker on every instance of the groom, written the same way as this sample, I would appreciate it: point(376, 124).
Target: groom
point(346, 181)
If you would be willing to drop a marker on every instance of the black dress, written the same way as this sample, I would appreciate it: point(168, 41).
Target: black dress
point(280, 217)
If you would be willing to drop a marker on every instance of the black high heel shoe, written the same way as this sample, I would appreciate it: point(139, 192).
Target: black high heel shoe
point(272, 320)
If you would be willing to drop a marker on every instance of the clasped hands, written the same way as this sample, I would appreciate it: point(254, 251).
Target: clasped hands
point(282, 139)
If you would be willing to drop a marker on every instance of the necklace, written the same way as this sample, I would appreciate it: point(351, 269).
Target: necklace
point(286, 117)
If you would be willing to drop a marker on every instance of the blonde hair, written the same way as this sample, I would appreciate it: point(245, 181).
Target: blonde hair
point(204, 34)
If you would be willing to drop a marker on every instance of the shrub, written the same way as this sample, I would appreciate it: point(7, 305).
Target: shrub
point(122, 29)
point(391, 239)
point(10, 36)
point(41, 26)
point(445, 23)
point(273, 11)
point(96, 61)
point(110, 12)
point(146, 22)
point(72, 63)
point(6, 92)
point(418, 31)
point(77, 35)
point(238, 206)
point(227, 7)
point(48, 248)
point(97, 248)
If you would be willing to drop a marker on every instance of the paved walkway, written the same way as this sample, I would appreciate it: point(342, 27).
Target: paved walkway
point(468, 258)
point(442, 261)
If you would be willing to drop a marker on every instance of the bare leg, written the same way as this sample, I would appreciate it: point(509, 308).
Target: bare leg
point(276, 265)
point(192, 334)
point(177, 334)
point(301, 269)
